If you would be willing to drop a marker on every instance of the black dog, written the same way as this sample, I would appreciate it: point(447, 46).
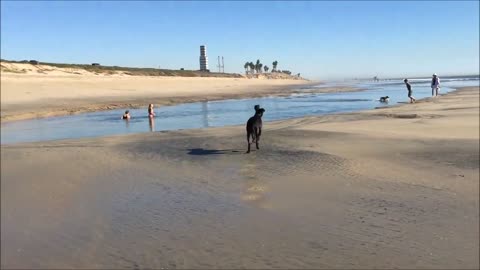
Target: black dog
point(384, 99)
point(254, 127)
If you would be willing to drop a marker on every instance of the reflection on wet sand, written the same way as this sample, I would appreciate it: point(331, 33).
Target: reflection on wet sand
point(151, 123)
point(205, 114)
point(254, 191)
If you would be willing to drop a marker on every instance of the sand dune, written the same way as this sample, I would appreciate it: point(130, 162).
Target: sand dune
point(389, 188)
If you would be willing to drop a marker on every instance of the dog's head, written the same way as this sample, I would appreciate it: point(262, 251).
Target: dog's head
point(260, 112)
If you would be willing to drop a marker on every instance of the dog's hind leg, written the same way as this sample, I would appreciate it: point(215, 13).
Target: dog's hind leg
point(248, 142)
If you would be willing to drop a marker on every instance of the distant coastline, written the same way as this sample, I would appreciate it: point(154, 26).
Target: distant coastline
point(467, 76)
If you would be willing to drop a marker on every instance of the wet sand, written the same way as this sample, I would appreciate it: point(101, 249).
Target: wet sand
point(387, 188)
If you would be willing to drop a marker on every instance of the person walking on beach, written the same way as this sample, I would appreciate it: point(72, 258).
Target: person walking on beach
point(409, 88)
point(435, 85)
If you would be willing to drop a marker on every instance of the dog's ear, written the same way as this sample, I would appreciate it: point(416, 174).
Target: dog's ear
point(262, 110)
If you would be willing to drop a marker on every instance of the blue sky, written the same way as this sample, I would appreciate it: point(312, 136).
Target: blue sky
point(321, 40)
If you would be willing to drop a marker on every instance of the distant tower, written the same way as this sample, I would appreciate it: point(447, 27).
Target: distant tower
point(203, 58)
point(221, 66)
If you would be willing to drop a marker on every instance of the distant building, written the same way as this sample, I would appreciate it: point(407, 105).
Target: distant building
point(95, 64)
point(203, 58)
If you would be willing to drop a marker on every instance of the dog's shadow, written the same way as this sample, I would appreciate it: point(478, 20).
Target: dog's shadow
point(206, 152)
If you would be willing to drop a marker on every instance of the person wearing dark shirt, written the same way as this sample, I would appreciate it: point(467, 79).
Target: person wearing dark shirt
point(409, 88)
point(126, 115)
point(435, 85)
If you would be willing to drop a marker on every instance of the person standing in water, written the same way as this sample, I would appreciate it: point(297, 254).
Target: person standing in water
point(409, 88)
point(435, 85)
point(126, 115)
point(151, 113)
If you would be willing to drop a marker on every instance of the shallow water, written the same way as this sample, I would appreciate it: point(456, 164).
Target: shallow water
point(220, 113)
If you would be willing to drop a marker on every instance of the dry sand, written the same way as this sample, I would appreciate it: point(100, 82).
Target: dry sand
point(389, 188)
point(57, 91)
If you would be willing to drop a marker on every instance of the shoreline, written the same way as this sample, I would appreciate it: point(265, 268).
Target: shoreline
point(374, 113)
point(71, 106)
point(377, 111)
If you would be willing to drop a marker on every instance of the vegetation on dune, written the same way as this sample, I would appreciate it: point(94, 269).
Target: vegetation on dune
point(251, 70)
point(99, 69)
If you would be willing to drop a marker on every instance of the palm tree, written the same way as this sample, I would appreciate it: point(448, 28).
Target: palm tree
point(246, 67)
point(265, 68)
point(252, 67)
point(257, 66)
point(260, 66)
point(274, 64)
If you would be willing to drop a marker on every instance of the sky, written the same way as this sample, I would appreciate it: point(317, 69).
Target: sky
point(319, 39)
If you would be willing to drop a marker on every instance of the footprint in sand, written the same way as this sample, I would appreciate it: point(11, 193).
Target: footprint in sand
point(255, 190)
point(256, 196)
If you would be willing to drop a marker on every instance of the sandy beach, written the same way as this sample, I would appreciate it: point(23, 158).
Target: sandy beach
point(386, 188)
point(57, 91)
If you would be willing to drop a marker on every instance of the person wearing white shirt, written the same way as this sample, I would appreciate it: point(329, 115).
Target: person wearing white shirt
point(435, 85)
